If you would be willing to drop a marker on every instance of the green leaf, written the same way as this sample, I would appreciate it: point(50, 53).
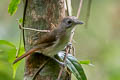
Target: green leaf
point(15, 66)
point(85, 62)
point(9, 50)
point(12, 8)
point(3, 42)
point(73, 65)
point(20, 20)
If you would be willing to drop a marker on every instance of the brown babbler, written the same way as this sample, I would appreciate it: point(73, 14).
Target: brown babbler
point(53, 42)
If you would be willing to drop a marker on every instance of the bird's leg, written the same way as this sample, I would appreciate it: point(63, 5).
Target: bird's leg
point(69, 45)
point(72, 49)
point(59, 62)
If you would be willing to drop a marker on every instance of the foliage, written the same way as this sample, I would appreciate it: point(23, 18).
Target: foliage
point(100, 42)
point(9, 49)
point(74, 66)
point(72, 63)
point(12, 8)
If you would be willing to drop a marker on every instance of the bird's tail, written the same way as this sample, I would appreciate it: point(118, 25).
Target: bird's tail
point(26, 54)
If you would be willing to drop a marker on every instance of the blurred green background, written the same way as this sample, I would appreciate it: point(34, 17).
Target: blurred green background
point(99, 43)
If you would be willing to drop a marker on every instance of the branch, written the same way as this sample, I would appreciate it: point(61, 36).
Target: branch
point(69, 7)
point(79, 9)
point(69, 47)
point(78, 14)
point(20, 26)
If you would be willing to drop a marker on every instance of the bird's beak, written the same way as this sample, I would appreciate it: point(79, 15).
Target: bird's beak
point(78, 22)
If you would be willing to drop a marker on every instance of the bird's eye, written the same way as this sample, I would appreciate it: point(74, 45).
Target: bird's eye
point(69, 22)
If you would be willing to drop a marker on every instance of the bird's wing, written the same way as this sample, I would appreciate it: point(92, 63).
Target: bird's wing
point(46, 40)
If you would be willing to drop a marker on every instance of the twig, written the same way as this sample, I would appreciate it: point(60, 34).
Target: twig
point(20, 26)
point(23, 28)
point(19, 47)
point(62, 68)
point(52, 26)
point(69, 10)
point(72, 34)
point(79, 9)
point(65, 5)
point(71, 37)
point(78, 14)
point(69, 7)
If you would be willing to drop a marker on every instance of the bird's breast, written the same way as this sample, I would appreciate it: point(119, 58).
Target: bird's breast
point(57, 46)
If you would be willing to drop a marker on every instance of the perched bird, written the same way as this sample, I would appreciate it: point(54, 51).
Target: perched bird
point(53, 42)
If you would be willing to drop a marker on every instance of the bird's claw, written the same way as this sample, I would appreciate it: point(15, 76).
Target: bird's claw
point(62, 64)
point(69, 45)
point(59, 62)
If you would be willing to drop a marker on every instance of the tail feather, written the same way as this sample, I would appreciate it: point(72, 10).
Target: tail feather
point(31, 51)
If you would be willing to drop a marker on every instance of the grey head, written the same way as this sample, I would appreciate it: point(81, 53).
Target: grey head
point(70, 22)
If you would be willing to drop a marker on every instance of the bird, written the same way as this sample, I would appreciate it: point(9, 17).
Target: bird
point(52, 42)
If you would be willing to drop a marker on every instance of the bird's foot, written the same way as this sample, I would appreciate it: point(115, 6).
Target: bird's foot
point(69, 45)
point(59, 62)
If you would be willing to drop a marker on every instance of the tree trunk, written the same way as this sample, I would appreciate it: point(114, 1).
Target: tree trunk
point(39, 14)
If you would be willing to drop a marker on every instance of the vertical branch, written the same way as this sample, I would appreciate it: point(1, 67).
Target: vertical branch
point(69, 11)
point(79, 9)
point(24, 13)
point(69, 7)
point(78, 14)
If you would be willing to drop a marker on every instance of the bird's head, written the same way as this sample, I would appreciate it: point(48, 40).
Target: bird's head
point(70, 22)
